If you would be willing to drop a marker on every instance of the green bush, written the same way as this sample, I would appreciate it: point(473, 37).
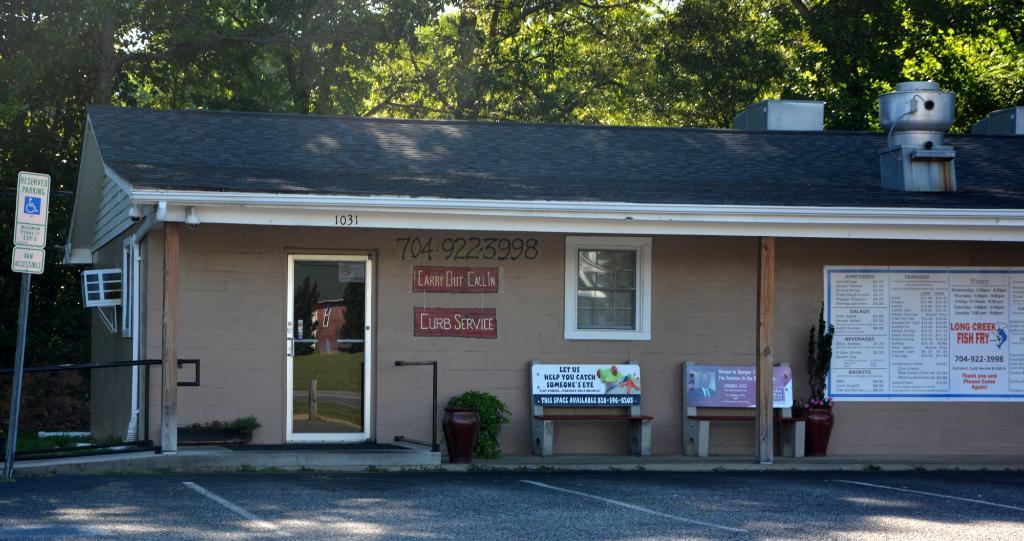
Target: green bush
point(819, 359)
point(493, 414)
point(245, 425)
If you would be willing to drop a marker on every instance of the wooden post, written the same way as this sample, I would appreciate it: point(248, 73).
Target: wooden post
point(169, 396)
point(313, 399)
point(765, 351)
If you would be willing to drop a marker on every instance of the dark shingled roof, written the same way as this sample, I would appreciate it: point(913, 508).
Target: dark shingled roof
point(256, 152)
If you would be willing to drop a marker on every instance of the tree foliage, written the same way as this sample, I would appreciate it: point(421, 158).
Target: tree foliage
point(676, 63)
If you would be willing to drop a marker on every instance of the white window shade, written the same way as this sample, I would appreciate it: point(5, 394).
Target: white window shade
point(101, 287)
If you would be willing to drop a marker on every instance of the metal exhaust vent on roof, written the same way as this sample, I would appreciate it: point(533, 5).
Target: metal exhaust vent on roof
point(781, 115)
point(1009, 121)
point(916, 117)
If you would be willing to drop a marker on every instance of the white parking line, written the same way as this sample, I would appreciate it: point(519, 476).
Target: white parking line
point(254, 520)
point(634, 507)
point(946, 496)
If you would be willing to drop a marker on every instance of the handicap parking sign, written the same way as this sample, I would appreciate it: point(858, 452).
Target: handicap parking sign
point(33, 205)
point(31, 208)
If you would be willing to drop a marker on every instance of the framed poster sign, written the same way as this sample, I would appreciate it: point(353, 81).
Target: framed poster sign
point(926, 333)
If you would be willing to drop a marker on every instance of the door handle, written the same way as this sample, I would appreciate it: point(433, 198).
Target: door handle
point(289, 346)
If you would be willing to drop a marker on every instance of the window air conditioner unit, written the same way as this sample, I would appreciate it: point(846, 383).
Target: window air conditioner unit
point(101, 288)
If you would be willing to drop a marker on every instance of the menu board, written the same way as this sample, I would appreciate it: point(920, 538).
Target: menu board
point(926, 333)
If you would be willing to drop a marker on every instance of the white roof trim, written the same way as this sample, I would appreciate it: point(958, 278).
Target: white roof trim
point(121, 182)
point(596, 217)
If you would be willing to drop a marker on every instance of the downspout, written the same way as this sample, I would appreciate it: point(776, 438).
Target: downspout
point(132, 434)
point(133, 421)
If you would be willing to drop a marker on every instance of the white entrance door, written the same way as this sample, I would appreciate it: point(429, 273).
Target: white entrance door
point(329, 348)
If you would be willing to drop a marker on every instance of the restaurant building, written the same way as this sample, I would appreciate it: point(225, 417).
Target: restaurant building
point(297, 256)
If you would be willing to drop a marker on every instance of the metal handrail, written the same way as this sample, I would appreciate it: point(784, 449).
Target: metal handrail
point(434, 447)
point(61, 367)
point(138, 445)
point(90, 366)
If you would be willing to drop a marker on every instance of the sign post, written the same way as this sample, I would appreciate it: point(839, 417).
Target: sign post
point(28, 258)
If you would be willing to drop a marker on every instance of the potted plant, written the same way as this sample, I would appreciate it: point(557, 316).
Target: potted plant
point(818, 409)
point(472, 422)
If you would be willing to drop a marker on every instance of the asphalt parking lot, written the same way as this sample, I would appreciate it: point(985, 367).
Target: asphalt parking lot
point(518, 505)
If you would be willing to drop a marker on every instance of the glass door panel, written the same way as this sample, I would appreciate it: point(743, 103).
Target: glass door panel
point(328, 350)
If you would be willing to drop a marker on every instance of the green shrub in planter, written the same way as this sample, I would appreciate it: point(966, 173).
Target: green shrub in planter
point(245, 425)
point(493, 414)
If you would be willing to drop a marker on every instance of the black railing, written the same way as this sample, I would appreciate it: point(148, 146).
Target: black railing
point(433, 410)
point(105, 448)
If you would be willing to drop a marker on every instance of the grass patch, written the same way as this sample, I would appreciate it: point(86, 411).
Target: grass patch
point(329, 411)
point(376, 469)
point(872, 467)
point(30, 442)
point(338, 371)
point(414, 469)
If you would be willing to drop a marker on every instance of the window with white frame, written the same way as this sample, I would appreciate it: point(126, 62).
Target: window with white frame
point(608, 288)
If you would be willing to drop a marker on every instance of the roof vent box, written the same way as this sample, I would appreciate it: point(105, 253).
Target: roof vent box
point(916, 117)
point(1009, 121)
point(781, 115)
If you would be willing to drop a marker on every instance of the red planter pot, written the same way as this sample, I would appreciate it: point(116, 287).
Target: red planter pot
point(819, 428)
point(461, 427)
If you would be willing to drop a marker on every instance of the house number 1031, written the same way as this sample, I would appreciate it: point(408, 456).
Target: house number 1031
point(346, 219)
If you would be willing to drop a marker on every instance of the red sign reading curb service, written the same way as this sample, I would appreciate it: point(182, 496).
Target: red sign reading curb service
point(455, 279)
point(459, 322)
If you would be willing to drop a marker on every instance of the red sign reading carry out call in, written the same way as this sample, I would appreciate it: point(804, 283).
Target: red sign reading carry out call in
point(455, 279)
point(459, 322)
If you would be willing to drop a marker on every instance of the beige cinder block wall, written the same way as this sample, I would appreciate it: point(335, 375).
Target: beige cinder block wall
point(233, 313)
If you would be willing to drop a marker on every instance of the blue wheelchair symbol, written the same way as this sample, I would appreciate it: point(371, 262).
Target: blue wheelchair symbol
point(33, 205)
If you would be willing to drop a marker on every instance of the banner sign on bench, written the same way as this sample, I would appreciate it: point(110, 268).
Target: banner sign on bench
point(718, 386)
point(586, 385)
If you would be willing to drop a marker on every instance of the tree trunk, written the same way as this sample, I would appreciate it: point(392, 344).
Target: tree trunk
point(467, 80)
point(105, 72)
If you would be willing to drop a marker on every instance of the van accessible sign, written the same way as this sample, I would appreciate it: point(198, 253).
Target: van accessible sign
point(31, 213)
point(30, 260)
point(32, 210)
point(586, 385)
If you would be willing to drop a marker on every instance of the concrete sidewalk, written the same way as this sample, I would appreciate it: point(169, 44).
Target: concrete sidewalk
point(221, 459)
point(681, 463)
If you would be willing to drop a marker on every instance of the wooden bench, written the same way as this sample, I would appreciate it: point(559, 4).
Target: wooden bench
point(587, 386)
point(735, 399)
